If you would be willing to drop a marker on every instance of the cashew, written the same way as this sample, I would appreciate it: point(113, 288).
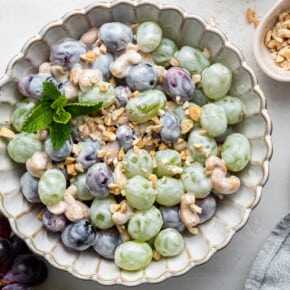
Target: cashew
point(45, 68)
point(90, 37)
point(216, 167)
point(112, 149)
point(119, 177)
point(123, 233)
point(70, 91)
point(123, 213)
point(88, 77)
point(188, 212)
point(38, 163)
point(120, 66)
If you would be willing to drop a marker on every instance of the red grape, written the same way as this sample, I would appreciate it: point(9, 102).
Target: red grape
point(6, 256)
point(5, 230)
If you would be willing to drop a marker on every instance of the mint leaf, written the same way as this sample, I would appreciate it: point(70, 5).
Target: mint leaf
point(59, 102)
point(40, 117)
point(61, 116)
point(78, 109)
point(50, 92)
point(59, 134)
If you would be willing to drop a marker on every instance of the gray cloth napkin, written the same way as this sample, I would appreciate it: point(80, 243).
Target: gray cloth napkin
point(271, 268)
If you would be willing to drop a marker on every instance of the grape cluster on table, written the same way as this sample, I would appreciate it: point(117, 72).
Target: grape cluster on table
point(19, 268)
point(155, 87)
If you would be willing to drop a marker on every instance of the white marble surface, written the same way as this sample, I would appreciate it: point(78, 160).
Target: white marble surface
point(227, 270)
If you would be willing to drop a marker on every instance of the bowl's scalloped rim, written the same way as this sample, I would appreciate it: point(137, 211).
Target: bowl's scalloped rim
point(4, 79)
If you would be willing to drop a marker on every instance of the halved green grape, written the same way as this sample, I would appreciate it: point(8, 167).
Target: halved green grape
point(23, 146)
point(149, 35)
point(145, 224)
point(95, 95)
point(192, 59)
point(139, 163)
point(133, 255)
point(21, 112)
point(195, 180)
point(146, 105)
point(213, 119)
point(83, 192)
point(234, 108)
point(51, 187)
point(216, 81)
point(201, 145)
point(168, 163)
point(164, 52)
point(101, 216)
point(139, 192)
point(169, 191)
point(236, 152)
point(169, 243)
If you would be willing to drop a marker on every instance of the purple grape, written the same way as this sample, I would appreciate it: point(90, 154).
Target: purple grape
point(54, 223)
point(142, 77)
point(19, 247)
point(60, 154)
point(67, 53)
point(106, 242)
point(171, 218)
point(115, 35)
point(79, 235)
point(170, 130)
point(103, 63)
point(6, 256)
point(25, 269)
point(178, 83)
point(42, 275)
point(29, 187)
point(99, 176)
point(5, 230)
point(16, 287)
point(208, 207)
point(122, 94)
point(32, 85)
point(125, 136)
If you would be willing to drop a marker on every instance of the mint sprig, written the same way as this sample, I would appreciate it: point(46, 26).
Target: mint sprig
point(54, 113)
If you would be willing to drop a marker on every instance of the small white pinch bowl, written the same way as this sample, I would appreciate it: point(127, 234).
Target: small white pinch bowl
point(261, 52)
point(232, 213)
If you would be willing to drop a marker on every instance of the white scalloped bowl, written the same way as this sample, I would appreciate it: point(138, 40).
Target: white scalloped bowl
point(232, 213)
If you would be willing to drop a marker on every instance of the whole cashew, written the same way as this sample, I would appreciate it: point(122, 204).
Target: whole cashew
point(120, 66)
point(90, 37)
point(188, 212)
point(123, 213)
point(38, 163)
point(220, 182)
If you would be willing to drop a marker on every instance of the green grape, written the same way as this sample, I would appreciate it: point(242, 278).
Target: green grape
point(21, 112)
point(133, 255)
point(169, 242)
point(201, 145)
point(23, 146)
point(234, 108)
point(139, 192)
point(164, 52)
point(169, 191)
point(145, 224)
point(138, 163)
point(168, 163)
point(195, 180)
point(100, 213)
point(51, 186)
point(199, 98)
point(236, 152)
point(149, 35)
point(216, 81)
point(213, 119)
point(146, 105)
point(192, 59)
point(95, 95)
point(83, 191)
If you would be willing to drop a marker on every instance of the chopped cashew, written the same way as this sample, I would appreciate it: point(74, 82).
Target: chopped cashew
point(38, 163)
point(122, 213)
point(188, 212)
point(123, 62)
point(218, 171)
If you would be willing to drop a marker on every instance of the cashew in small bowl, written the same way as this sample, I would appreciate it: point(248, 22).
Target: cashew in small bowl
point(189, 212)
point(217, 168)
point(38, 163)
